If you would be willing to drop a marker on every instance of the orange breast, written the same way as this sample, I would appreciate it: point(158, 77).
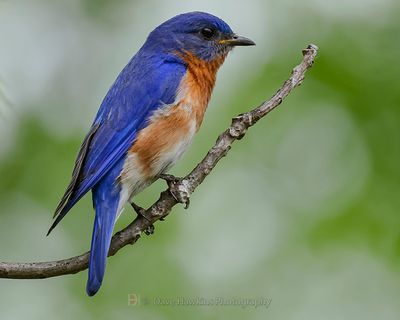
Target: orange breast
point(171, 129)
point(163, 141)
point(199, 83)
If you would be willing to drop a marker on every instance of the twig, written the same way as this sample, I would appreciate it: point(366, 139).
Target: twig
point(162, 207)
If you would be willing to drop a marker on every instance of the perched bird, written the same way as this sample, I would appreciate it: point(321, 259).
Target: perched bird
point(146, 122)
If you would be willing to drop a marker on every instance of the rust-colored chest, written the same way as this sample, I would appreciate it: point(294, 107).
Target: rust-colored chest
point(171, 129)
point(198, 84)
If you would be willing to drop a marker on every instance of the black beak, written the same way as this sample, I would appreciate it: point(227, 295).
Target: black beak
point(238, 41)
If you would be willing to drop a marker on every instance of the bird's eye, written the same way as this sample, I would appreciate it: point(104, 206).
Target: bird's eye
point(207, 33)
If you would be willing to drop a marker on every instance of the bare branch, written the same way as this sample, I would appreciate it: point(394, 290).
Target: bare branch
point(186, 186)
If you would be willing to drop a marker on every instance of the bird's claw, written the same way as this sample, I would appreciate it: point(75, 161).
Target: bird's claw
point(142, 212)
point(169, 178)
point(178, 189)
point(139, 210)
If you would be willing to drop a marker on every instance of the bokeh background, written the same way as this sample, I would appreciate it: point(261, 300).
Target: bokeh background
point(303, 211)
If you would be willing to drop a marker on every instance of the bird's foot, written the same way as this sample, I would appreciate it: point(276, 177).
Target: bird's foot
point(178, 189)
point(169, 178)
point(139, 210)
point(142, 212)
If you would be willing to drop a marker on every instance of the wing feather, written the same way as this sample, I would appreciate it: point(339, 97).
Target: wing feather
point(141, 88)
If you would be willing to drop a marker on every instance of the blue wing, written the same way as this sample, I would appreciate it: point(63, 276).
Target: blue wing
point(143, 86)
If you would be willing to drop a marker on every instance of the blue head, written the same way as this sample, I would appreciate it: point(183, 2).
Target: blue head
point(202, 34)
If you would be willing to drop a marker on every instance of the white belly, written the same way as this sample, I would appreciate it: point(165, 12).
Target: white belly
point(170, 156)
point(134, 179)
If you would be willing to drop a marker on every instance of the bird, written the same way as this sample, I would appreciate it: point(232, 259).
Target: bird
point(146, 122)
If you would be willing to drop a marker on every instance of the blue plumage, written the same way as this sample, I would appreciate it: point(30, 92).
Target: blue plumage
point(106, 198)
point(136, 93)
point(147, 82)
point(152, 79)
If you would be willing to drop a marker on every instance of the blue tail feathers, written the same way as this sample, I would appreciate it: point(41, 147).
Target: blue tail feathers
point(106, 195)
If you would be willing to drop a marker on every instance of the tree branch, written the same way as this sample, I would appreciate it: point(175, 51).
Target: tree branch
point(187, 185)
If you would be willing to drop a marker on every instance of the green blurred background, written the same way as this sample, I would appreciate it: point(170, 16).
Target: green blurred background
point(303, 211)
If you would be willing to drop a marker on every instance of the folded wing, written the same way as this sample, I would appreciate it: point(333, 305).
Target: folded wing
point(137, 92)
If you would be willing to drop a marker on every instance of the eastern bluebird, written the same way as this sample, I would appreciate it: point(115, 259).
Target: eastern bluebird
point(146, 122)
